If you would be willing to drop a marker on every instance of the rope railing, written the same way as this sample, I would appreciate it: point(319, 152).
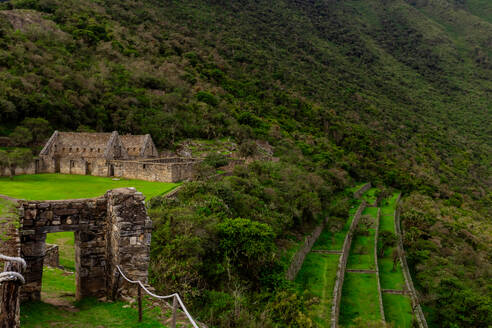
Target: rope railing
point(12, 275)
point(175, 297)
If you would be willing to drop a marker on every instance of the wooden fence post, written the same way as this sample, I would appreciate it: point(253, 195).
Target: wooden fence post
point(175, 305)
point(9, 302)
point(139, 303)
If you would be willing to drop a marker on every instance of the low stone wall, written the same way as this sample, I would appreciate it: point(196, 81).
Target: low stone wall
point(358, 194)
point(299, 257)
point(419, 314)
point(32, 168)
point(149, 171)
point(52, 257)
point(380, 295)
point(342, 265)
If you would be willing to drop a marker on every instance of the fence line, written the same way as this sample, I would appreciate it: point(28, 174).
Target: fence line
point(175, 296)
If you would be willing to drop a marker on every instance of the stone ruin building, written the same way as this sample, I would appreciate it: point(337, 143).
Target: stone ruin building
point(108, 155)
point(111, 230)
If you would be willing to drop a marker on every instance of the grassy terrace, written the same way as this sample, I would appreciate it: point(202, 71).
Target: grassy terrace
point(318, 272)
point(397, 308)
point(362, 250)
point(64, 186)
point(359, 298)
point(360, 290)
point(370, 196)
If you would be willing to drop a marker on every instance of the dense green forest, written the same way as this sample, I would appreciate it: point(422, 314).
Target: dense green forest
point(390, 91)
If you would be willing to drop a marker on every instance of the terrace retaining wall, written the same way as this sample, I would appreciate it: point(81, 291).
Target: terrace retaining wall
point(298, 259)
point(419, 314)
point(342, 265)
point(380, 295)
point(358, 194)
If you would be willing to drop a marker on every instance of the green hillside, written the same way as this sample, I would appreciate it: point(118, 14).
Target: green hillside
point(389, 91)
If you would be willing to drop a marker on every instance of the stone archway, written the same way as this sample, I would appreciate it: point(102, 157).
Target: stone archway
point(110, 230)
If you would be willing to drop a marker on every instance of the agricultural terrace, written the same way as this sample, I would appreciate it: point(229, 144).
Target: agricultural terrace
point(318, 272)
point(360, 296)
point(397, 308)
point(59, 307)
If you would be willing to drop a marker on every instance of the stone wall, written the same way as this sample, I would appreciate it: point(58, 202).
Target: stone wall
point(298, 259)
point(358, 194)
point(32, 168)
point(52, 256)
point(154, 171)
point(342, 264)
point(419, 314)
point(128, 240)
point(380, 294)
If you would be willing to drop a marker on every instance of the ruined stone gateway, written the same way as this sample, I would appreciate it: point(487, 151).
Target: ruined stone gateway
point(111, 230)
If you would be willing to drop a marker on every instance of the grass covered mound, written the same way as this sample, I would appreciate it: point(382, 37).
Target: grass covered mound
point(64, 186)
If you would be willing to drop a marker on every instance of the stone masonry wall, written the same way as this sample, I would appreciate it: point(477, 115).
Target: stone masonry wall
point(358, 194)
point(128, 240)
point(52, 256)
point(149, 171)
point(342, 264)
point(419, 314)
point(298, 259)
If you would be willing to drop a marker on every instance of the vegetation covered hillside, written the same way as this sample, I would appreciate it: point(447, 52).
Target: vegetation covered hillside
point(390, 91)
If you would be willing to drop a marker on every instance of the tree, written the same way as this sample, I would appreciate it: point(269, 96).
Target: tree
point(386, 239)
point(4, 159)
point(21, 136)
point(39, 127)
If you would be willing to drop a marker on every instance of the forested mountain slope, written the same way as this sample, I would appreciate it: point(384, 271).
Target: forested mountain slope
point(390, 91)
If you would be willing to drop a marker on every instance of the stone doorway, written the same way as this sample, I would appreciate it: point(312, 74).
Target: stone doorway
point(56, 164)
point(109, 231)
point(88, 168)
point(111, 170)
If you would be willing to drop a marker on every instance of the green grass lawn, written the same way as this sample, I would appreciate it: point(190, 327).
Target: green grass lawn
point(398, 310)
point(390, 279)
point(88, 313)
point(5, 207)
point(359, 298)
point(66, 249)
point(65, 186)
point(59, 285)
point(317, 278)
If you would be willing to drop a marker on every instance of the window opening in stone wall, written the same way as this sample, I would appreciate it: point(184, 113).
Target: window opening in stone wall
point(58, 285)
